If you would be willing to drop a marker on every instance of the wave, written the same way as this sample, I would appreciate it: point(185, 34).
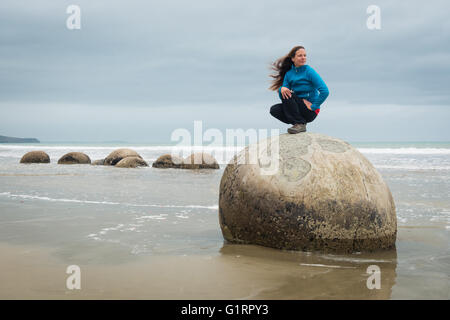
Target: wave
point(141, 148)
point(411, 167)
point(149, 153)
point(404, 150)
point(208, 148)
point(33, 197)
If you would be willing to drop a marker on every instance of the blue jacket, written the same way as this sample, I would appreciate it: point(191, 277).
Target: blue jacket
point(305, 82)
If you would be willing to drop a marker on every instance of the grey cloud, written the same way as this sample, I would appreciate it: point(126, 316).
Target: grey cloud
point(142, 52)
point(209, 52)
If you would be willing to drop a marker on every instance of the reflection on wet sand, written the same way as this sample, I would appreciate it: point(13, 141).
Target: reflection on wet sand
point(237, 272)
point(303, 275)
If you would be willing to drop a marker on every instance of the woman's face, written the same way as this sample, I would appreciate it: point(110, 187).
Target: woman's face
point(300, 58)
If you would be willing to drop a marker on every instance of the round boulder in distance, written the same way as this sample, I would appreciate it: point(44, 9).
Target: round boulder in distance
point(114, 157)
point(168, 161)
point(131, 162)
point(200, 160)
point(99, 162)
point(35, 157)
point(324, 195)
point(74, 158)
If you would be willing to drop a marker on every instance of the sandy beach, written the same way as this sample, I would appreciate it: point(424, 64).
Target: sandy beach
point(147, 233)
point(235, 272)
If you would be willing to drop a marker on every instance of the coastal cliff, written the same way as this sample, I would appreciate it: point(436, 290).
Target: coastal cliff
point(5, 139)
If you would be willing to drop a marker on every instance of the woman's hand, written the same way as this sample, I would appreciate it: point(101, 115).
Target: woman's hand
point(308, 104)
point(286, 93)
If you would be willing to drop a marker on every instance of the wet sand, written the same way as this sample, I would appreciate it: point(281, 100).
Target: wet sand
point(235, 272)
point(238, 272)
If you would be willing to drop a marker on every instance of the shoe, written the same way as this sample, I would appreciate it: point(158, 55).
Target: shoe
point(297, 128)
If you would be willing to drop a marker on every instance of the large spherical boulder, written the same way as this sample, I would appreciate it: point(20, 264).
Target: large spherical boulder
point(200, 160)
point(74, 158)
point(114, 157)
point(131, 162)
point(35, 157)
point(167, 161)
point(324, 195)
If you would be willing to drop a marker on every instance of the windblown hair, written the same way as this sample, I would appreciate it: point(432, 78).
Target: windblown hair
point(281, 66)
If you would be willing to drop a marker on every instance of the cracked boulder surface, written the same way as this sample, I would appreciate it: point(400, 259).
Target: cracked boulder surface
point(320, 195)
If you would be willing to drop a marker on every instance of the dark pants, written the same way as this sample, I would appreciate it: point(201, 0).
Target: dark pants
point(292, 111)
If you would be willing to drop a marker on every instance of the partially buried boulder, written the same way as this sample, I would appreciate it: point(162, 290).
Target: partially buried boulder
point(131, 162)
point(35, 157)
point(114, 157)
point(99, 162)
point(200, 161)
point(167, 161)
point(325, 195)
point(74, 158)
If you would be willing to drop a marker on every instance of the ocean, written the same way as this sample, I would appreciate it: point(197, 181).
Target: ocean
point(148, 233)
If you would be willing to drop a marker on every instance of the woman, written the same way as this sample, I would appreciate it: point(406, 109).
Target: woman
point(297, 85)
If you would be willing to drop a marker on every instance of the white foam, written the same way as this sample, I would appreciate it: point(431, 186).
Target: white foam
point(206, 148)
point(154, 217)
point(404, 150)
point(402, 220)
point(325, 266)
point(412, 167)
point(112, 148)
point(25, 196)
point(93, 236)
point(33, 197)
point(357, 260)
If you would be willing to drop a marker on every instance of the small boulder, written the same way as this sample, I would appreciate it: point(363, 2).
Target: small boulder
point(35, 157)
point(99, 162)
point(114, 157)
point(131, 162)
point(167, 161)
point(74, 158)
point(200, 161)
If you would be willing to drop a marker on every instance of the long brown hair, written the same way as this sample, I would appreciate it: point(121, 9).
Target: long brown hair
point(281, 66)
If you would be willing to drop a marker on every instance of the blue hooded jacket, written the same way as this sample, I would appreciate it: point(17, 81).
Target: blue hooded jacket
point(306, 83)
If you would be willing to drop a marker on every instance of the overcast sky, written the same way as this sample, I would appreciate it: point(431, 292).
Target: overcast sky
point(137, 70)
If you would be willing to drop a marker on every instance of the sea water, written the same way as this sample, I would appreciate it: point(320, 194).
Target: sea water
point(154, 233)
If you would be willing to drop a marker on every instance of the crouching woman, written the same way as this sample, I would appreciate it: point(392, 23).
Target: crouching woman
point(300, 89)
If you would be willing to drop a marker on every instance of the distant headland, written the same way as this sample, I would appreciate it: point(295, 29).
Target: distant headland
point(5, 139)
